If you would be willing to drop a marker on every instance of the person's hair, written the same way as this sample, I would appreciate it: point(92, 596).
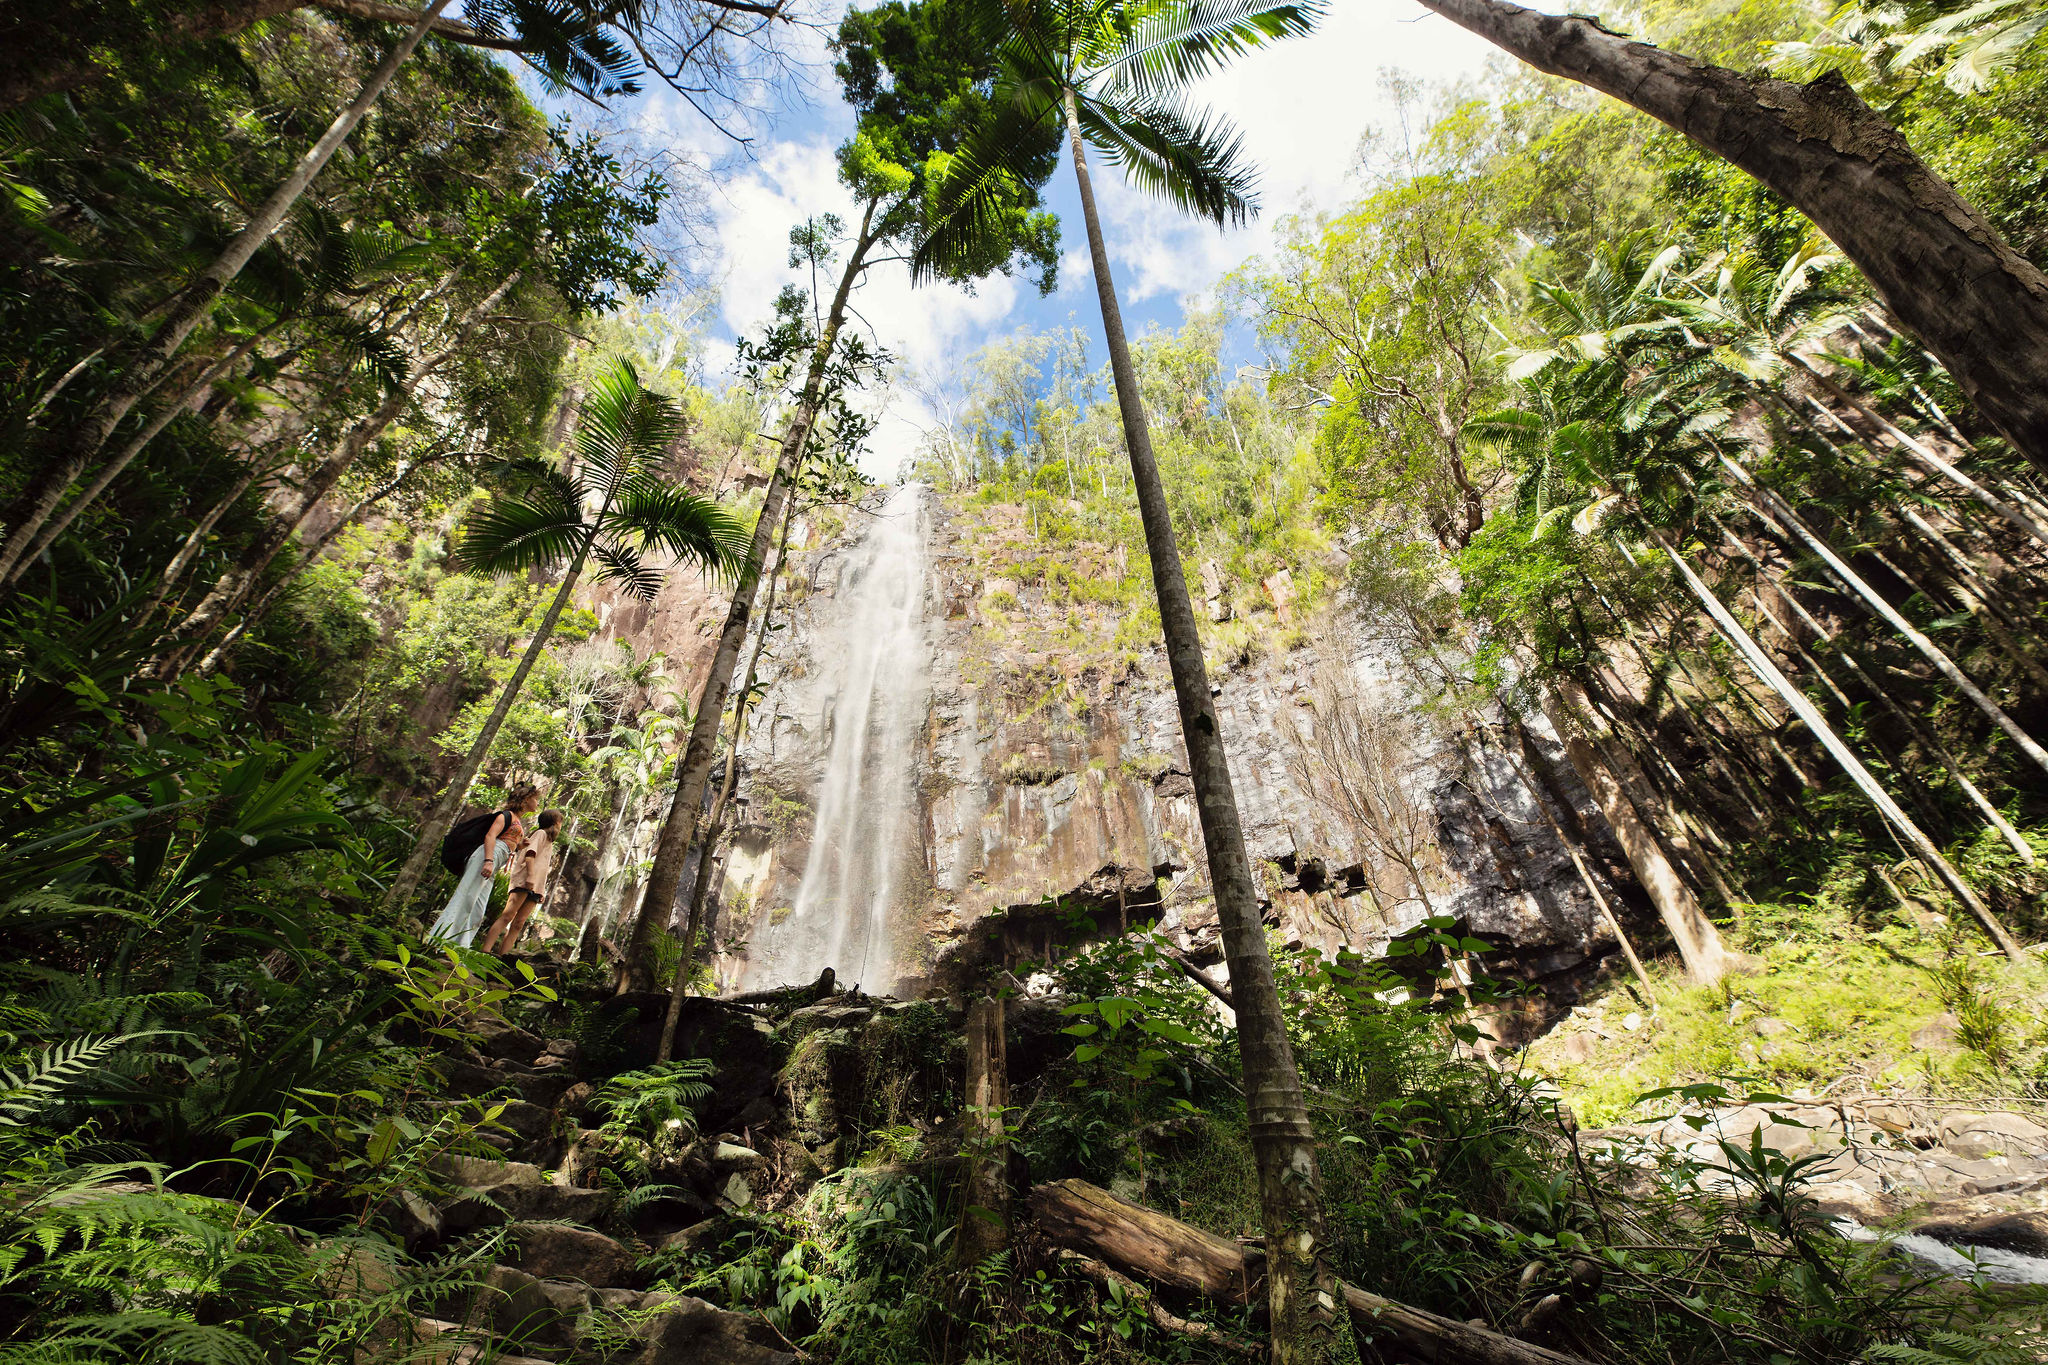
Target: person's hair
point(521, 795)
point(549, 819)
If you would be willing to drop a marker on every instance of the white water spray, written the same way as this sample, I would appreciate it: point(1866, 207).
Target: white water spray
point(873, 658)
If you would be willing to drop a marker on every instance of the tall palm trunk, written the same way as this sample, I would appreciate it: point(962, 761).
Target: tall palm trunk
point(1781, 511)
point(1699, 943)
point(1940, 266)
point(679, 830)
point(60, 521)
point(457, 791)
point(1304, 1293)
point(1925, 457)
point(193, 306)
point(1909, 832)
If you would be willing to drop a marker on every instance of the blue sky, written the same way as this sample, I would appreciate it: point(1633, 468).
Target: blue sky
point(1302, 106)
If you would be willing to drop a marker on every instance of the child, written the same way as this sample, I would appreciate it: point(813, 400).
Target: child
point(529, 884)
point(459, 919)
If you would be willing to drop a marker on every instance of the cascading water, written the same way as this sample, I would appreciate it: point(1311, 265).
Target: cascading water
point(874, 660)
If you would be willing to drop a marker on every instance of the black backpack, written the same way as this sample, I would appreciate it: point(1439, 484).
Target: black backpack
point(465, 838)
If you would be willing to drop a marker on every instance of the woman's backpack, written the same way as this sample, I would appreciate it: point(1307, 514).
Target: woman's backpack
point(465, 838)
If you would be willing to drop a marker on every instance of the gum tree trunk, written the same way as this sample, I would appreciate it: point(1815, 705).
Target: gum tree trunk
point(1940, 266)
point(678, 831)
point(1304, 1293)
point(192, 307)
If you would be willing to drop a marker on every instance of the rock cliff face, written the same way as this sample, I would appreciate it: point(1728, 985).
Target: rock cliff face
point(1049, 777)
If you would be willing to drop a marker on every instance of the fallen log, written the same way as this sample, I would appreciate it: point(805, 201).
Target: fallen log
point(1147, 1243)
point(1146, 1301)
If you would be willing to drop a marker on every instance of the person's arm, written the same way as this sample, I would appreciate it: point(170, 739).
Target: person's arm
point(491, 843)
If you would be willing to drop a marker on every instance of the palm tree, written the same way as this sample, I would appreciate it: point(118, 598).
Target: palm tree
point(545, 517)
point(1112, 73)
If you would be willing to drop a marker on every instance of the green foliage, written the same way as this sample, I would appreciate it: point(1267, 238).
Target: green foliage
point(654, 1104)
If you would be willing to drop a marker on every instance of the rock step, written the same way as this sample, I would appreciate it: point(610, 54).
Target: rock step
point(662, 1328)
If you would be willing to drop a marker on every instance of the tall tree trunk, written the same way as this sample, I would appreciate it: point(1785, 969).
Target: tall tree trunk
point(234, 585)
point(1304, 1293)
point(192, 307)
point(679, 829)
point(1940, 266)
point(714, 825)
point(1909, 832)
point(2025, 524)
point(1781, 511)
point(1699, 943)
point(984, 1227)
point(60, 521)
point(450, 805)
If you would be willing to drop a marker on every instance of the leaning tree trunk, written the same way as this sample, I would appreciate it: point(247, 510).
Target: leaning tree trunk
point(1781, 511)
point(193, 306)
point(1804, 708)
point(60, 521)
point(234, 585)
point(679, 829)
point(1699, 943)
point(1940, 266)
point(714, 824)
point(450, 805)
point(1303, 1292)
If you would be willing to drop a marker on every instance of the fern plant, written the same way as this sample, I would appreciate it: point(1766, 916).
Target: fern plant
point(654, 1104)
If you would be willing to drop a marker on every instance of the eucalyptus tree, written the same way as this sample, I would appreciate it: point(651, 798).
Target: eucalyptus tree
point(607, 512)
point(1113, 75)
point(1940, 265)
point(916, 73)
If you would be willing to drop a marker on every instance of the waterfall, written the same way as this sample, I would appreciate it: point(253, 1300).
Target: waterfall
point(872, 658)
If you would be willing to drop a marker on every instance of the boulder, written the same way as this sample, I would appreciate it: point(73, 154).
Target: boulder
point(482, 1172)
point(743, 1045)
point(1937, 1034)
point(411, 1219)
point(536, 1087)
point(555, 1252)
point(522, 1307)
point(514, 1203)
point(2024, 1232)
point(497, 1038)
point(1981, 1135)
point(690, 1331)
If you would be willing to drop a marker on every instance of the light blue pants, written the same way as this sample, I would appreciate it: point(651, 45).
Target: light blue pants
point(464, 914)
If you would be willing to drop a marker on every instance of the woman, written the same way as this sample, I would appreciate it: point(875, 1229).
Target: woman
point(464, 913)
point(529, 884)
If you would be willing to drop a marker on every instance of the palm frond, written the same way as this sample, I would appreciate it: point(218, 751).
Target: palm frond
point(537, 526)
point(1172, 44)
point(1196, 163)
point(622, 564)
point(676, 522)
point(972, 191)
point(625, 430)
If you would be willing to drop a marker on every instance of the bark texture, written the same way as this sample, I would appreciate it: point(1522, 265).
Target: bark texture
point(1174, 1256)
point(1308, 1324)
point(1941, 267)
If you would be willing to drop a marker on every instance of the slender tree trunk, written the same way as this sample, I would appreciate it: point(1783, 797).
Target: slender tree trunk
point(1304, 1293)
point(1909, 832)
point(192, 307)
point(700, 893)
point(195, 539)
point(2025, 524)
point(1699, 943)
point(234, 585)
point(450, 805)
point(61, 521)
point(1781, 511)
point(678, 830)
point(1939, 265)
point(984, 1227)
